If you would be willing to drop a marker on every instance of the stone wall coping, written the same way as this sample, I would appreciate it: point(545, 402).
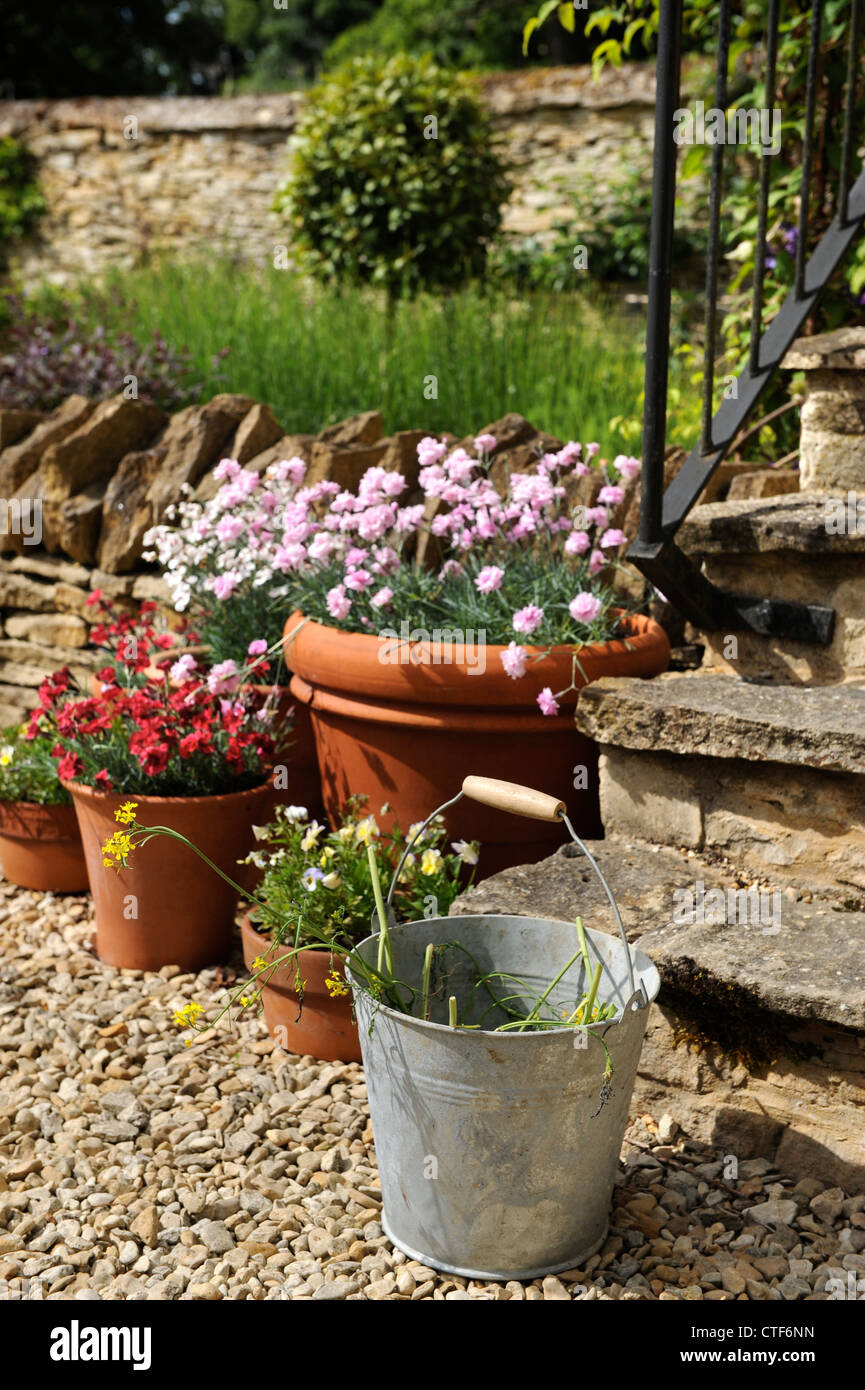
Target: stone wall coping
point(794, 523)
point(720, 716)
point(841, 350)
point(505, 93)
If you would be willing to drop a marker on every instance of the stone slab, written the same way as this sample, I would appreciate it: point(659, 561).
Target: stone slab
point(810, 965)
point(717, 716)
point(796, 524)
point(843, 348)
point(642, 878)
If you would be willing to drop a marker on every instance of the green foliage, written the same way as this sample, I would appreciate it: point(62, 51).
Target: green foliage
point(458, 33)
point(27, 770)
point(281, 45)
point(397, 179)
point(319, 879)
point(568, 361)
point(99, 48)
point(21, 202)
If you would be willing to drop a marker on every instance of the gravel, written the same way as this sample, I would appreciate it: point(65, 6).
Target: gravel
point(135, 1167)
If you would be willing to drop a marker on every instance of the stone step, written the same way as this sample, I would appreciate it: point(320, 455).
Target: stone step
point(758, 1034)
point(769, 776)
point(803, 548)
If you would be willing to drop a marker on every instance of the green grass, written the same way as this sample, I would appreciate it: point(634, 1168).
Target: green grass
point(570, 362)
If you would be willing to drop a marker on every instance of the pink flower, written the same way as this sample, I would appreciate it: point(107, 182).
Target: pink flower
point(577, 543)
point(257, 648)
point(485, 443)
point(596, 516)
point(597, 561)
point(383, 598)
point(612, 537)
point(585, 607)
point(183, 667)
point(628, 467)
point(514, 661)
point(355, 557)
point(528, 618)
point(226, 468)
point(338, 602)
point(547, 701)
point(224, 586)
point(490, 578)
point(358, 580)
point(612, 494)
point(592, 449)
point(321, 547)
point(431, 451)
point(223, 679)
point(569, 453)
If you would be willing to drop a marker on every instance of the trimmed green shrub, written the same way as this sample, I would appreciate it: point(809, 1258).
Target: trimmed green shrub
point(397, 179)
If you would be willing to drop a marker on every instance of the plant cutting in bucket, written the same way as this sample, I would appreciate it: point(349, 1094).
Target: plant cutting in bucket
point(500, 1056)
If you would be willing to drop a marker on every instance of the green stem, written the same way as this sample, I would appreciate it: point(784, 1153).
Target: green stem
point(548, 991)
point(385, 955)
point(427, 967)
point(590, 1002)
point(452, 1011)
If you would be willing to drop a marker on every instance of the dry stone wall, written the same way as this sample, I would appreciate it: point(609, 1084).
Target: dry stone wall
point(123, 176)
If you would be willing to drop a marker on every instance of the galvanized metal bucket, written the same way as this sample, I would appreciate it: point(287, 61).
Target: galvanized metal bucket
point(496, 1158)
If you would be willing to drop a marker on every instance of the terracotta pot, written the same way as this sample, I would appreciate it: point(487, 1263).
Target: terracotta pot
point(324, 1027)
point(167, 907)
point(40, 847)
point(407, 734)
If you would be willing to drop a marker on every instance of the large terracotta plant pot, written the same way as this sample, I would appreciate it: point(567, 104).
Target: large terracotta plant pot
point(167, 907)
point(407, 734)
point(40, 847)
point(324, 1026)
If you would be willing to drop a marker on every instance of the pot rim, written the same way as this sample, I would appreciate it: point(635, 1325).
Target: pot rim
point(649, 969)
point(92, 793)
point(642, 624)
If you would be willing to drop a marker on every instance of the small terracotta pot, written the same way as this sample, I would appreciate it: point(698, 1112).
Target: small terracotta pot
point(40, 847)
point(167, 907)
point(408, 734)
point(323, 1027)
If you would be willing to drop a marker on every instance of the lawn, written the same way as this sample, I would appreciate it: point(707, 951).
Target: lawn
point(571, 362)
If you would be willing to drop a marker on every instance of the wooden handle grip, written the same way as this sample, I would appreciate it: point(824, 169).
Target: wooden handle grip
point(510, 796)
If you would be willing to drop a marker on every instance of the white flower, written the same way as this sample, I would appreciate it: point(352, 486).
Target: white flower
point(466, 851)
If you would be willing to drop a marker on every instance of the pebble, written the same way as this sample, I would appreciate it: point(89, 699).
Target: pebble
point(136, 1168)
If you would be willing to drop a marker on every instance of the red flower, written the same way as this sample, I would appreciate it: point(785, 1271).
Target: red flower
point(103, 781)
point(93, 598)
point(70, 765)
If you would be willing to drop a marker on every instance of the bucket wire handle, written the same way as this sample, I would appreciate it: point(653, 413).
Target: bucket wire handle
point(525, 801)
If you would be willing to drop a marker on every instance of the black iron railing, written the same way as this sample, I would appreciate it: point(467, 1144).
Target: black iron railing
point(655, 551)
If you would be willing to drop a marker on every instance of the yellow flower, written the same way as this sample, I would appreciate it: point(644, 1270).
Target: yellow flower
point(346, 833)
point(327, 855)
point(331, 880)
point(7, 752)
point(310, 839)
point(185, 1017)
point(336, 985)
point(125, 814)
point(430, 862)
point(366, 830)
point(259, 963)
point(245, 999)
point(117, 849)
